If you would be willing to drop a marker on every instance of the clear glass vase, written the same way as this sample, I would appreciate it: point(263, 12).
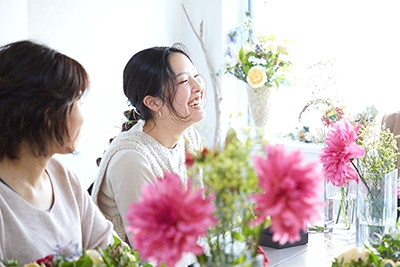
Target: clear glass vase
point(376, 206)
point(340, 211)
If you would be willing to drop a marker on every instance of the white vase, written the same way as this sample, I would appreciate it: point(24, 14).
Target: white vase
point(258, 99)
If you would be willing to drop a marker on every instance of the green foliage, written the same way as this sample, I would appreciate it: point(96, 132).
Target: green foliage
point(115, 255)
point(381, 150)
point(229, 176)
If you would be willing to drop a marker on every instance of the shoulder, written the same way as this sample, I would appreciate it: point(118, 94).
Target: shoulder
point(61, 174)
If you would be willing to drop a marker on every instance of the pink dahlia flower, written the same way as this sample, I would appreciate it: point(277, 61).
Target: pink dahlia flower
point(339, 150)
point(168, 220)
point(290, 192)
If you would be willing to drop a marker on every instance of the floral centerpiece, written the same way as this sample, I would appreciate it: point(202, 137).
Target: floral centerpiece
point(246, 189)
point(115, 255)
point(360, 153)
point(261, 63)
point(384, 252)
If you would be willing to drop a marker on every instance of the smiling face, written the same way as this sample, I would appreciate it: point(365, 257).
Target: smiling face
point(188, 101)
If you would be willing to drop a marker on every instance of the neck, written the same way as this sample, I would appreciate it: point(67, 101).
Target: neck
point(167, 134)
point(25, 170)
point(27, 176)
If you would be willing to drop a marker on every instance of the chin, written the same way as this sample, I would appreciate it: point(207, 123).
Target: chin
point(199, 117)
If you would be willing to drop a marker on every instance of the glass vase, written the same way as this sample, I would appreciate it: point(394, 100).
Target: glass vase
point(376, 206)
point(340, 211)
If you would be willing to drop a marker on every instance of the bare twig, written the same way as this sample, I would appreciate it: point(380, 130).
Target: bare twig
point(217, 97)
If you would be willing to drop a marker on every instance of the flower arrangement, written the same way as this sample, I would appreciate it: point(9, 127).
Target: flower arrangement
point(249, 185)
point(383, 253)
point(260, 61)
point(361, 153)
point(115, 255)
point(246, 189)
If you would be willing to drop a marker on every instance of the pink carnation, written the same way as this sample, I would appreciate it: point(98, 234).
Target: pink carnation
point(168, 220)
point(290, 192)
point(340, 149)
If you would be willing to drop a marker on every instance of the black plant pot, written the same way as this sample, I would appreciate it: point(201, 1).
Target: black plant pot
point(266, 240)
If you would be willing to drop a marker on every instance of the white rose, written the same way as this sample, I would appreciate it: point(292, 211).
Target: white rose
point(283, 49)
point(264, 36)
point(95, 256)
point(355, 254)
point(256, 77)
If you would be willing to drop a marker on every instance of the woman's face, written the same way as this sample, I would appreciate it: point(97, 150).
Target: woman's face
point(190, 88)
point(74, 124)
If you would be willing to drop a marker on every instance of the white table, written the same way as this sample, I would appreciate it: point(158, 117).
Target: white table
point(320, 251)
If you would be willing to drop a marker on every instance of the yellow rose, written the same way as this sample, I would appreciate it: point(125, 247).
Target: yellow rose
point(95, 256)
point(32, 264)
point(355, 254)
point(256, 77)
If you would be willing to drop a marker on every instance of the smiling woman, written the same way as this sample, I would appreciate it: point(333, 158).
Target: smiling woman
point(166, 92)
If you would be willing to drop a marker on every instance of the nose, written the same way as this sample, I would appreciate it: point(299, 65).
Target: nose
point(197, 84)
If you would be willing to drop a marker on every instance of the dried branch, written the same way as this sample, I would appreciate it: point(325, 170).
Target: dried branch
point(217, 97)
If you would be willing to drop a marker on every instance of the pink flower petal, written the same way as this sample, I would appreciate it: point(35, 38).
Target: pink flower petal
point(290, 192)
point(169, 219)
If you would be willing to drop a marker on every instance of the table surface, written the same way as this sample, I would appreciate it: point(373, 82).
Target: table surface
point(320, 251)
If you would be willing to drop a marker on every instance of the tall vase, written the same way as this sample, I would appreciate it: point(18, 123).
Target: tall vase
point(340, 211)
point(376, 206)
point(258, 99)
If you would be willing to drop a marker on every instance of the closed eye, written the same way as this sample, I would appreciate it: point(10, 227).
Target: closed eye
point(182, 82)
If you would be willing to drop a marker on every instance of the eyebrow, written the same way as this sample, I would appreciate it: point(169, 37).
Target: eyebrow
point(182, 73)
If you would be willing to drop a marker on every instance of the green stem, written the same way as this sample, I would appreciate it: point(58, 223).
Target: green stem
point(260, 230)
point(366, 185)
point(343, 208)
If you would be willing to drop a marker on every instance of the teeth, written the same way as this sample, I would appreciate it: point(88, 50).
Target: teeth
point(194, 103)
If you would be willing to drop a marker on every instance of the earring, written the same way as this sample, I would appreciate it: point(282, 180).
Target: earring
point(159, 114)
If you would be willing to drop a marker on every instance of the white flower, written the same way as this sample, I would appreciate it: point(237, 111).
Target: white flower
point(95, 256)
point(355, 254)
point(256, 77)
point(283, 49)
point(257, 61)
point(264, 36)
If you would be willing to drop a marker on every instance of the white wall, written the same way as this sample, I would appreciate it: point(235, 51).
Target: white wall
point(102, 35)
point(13, 20)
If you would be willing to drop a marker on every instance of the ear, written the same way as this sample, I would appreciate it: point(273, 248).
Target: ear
point(153, 103)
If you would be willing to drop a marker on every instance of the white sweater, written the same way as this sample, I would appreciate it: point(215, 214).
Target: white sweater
point(28, 234)
point(132, 160)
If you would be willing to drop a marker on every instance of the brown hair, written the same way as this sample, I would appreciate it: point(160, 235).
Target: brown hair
point(149, 72)
point(38, 87)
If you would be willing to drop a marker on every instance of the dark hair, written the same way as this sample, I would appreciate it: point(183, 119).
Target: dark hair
point(38, 87)
point(149, 72)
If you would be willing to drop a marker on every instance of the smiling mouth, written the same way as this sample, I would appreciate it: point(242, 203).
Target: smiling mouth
point(194, 103)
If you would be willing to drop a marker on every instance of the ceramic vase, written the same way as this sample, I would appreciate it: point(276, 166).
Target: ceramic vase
point(259, 105)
